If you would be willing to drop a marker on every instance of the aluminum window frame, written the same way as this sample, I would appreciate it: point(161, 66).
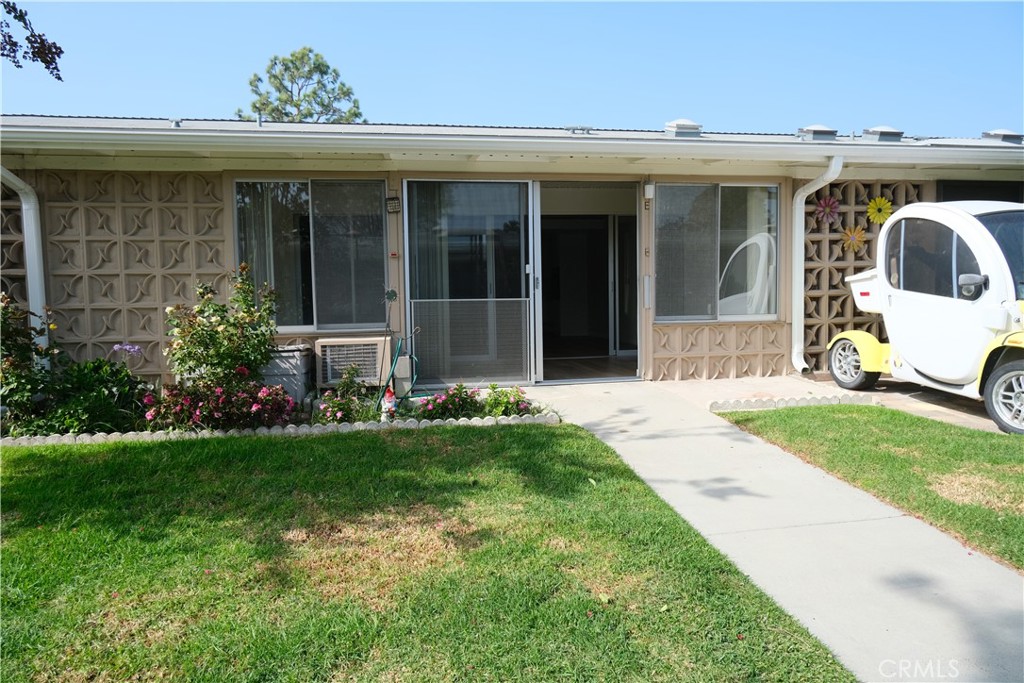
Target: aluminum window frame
point(316, 328)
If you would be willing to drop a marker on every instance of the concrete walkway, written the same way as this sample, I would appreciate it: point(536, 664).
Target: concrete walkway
point(892, 597)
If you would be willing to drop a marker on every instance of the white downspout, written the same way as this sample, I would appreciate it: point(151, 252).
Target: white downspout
point(32, 235)
point(835, 167)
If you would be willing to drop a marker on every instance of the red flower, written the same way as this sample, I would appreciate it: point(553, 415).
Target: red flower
point(242, 370)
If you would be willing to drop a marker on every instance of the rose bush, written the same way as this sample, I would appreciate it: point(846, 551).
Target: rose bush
point(218, 341)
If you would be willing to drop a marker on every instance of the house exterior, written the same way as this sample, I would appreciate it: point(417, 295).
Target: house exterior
point(512, 255)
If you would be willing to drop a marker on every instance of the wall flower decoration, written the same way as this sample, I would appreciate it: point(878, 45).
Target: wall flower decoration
point(827, 210)
point(879, 210)
point(854, 239)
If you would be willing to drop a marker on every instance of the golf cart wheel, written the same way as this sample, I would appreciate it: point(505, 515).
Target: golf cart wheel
point(844, 366)
point(1004, 397)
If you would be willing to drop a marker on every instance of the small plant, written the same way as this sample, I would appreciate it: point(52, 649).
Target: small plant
point(507, 402)
point(458, 401)
point(349, 401)
point(206, 404)
point(218, 341)
point(335, 408)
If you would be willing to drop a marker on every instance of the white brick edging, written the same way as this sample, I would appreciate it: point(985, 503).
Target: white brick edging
point(771, 403)
point(289, 431)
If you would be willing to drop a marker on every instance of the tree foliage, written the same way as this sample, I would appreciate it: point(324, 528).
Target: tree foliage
point(36, 48)
point(302, 87)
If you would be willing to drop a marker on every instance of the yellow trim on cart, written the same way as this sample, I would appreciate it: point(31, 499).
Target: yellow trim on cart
point(874, 355)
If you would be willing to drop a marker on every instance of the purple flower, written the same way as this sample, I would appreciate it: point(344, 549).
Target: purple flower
point(129, 349)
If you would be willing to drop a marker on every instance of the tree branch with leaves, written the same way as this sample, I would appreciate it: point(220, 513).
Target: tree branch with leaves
point(37, 47)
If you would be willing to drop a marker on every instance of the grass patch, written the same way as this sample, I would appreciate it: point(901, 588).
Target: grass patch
point(520, 553)
point(966, 482)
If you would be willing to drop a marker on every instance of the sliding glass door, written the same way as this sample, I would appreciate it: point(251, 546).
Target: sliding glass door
point(468, 284)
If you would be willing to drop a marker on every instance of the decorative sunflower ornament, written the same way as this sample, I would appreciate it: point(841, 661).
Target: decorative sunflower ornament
point(879, 210)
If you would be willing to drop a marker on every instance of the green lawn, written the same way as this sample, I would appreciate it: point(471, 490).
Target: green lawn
point(967, 482)
point(525, 553)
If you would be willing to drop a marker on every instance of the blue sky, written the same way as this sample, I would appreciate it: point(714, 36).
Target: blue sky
point(927, 68)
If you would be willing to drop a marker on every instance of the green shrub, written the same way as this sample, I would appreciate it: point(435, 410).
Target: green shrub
point(507, 402)
point(219, 342)
point(219, 405)
point(458, 401)
point(45, 392)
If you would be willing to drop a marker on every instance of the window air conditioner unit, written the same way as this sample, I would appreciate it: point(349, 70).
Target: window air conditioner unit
point(335, 355)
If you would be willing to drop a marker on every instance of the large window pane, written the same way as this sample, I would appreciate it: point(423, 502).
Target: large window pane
point(748, 252)
point(466, 240)
point(349, 252)
point(273, 238)
point(686, 244)
point(329, 271)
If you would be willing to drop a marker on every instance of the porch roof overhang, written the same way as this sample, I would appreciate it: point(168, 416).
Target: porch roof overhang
point(395, 146)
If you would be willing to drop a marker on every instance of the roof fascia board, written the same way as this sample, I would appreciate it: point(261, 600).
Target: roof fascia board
point(18, 137)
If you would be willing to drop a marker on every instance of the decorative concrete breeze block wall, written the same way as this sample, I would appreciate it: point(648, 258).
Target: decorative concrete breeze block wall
point(120, 248)
point(828, 303)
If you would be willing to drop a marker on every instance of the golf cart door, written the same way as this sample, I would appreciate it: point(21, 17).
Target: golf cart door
point(937, 325)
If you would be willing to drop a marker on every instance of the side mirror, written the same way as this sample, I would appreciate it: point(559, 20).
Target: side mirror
point(971, 285)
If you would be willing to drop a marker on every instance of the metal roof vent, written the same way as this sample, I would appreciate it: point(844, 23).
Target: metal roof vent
point(683, 128)
point(1003, 135)
point(579, 130)
point(883, 134)
point(817, 132)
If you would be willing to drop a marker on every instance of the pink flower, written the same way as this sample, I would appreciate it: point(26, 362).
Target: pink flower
point(219, 391)
point(264, 392)
point(338, 414)
point(148, 399)
point(827, 210)
point(150, 414)
point(255, 407)
point(323, 406)
point(430, 406)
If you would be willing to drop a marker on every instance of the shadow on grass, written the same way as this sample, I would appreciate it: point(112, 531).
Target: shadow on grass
point(268, 485)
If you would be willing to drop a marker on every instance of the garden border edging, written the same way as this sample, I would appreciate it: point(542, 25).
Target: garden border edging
point(771, 403)
point(548, 418)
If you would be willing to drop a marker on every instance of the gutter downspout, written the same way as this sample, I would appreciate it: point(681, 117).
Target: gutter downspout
point(32, 235)
point(835, 167)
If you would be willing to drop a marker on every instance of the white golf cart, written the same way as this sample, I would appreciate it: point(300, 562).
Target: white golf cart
point(949, 284)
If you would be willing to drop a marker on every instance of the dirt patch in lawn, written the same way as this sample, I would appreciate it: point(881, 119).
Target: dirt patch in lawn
point(968, 488)
point(366, 557)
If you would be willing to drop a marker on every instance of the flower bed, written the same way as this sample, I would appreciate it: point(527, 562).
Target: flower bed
point(217, 350)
